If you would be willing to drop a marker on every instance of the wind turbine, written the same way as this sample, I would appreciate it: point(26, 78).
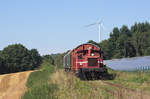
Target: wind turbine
point(99, 27)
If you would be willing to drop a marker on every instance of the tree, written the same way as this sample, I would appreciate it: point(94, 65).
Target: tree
point(106, 48)
point(93, 42)
point(124, 30)
point(147, 51)
point(48, 58)
point(16, 58)
point(120, 45)
point(130, 51)
point(115, 34)
point(125, 42)
point(59, 60)
point(134, 28)
point(1, 64)
point(35, 58)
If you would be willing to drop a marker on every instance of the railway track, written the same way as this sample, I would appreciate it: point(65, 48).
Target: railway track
point(122, 92)
point(111, 90)
point(126, 93)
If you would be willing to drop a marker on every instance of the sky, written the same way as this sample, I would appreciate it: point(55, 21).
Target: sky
point(55, 26)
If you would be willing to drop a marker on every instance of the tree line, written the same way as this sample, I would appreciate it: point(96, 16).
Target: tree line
point(55, 59)
point(127, 42)
point(16, 57)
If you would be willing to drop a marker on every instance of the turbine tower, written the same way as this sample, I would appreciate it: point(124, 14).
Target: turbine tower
point(99, 27)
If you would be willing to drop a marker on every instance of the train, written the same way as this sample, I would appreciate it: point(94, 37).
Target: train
point(85, 59)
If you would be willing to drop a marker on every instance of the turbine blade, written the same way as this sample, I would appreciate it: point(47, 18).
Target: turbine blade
point(90, 24)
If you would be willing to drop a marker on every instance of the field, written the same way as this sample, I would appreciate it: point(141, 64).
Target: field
point(12, 86)
point(50, 82)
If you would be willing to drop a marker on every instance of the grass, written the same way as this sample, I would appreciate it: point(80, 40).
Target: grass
point(48, 84)
point(136, 80)
point(71, 87)
point(38, 84)
point(51, 83)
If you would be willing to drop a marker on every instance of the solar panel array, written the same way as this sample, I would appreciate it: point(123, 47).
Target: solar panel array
point(129, 64)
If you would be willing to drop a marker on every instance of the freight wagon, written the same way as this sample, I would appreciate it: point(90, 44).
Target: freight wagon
point(85, 59)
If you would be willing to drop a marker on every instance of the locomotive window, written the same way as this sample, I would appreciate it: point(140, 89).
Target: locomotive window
point(80, 57)
point(85, 52)
point(96, 51)
point(92, 62)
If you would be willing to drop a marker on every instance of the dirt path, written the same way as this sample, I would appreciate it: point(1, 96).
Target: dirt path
point(12, 86)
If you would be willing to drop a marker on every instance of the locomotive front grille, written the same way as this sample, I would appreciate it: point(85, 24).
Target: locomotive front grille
point(92, 62)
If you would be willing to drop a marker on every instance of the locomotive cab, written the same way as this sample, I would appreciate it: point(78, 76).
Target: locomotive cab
point(85, 58)
point(90, 60)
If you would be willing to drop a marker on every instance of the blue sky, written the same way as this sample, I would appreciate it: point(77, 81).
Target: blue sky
point(53, 26)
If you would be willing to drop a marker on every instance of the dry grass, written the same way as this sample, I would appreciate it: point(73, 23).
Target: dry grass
point(71, 87)
point(12, 86)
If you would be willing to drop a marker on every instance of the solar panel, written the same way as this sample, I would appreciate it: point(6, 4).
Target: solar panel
point(129, 64)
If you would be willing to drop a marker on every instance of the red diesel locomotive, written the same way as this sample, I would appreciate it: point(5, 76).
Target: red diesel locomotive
point(85, 58)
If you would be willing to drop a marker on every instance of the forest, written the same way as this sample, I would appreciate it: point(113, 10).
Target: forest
point(127, 42)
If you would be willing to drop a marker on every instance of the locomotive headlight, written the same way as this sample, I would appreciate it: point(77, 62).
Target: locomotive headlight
point(104, 63)
point(92, 54)
point(80, 63)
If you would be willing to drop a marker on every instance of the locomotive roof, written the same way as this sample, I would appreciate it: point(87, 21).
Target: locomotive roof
point(80, 45)
point(85, 44)
point(68, 53)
